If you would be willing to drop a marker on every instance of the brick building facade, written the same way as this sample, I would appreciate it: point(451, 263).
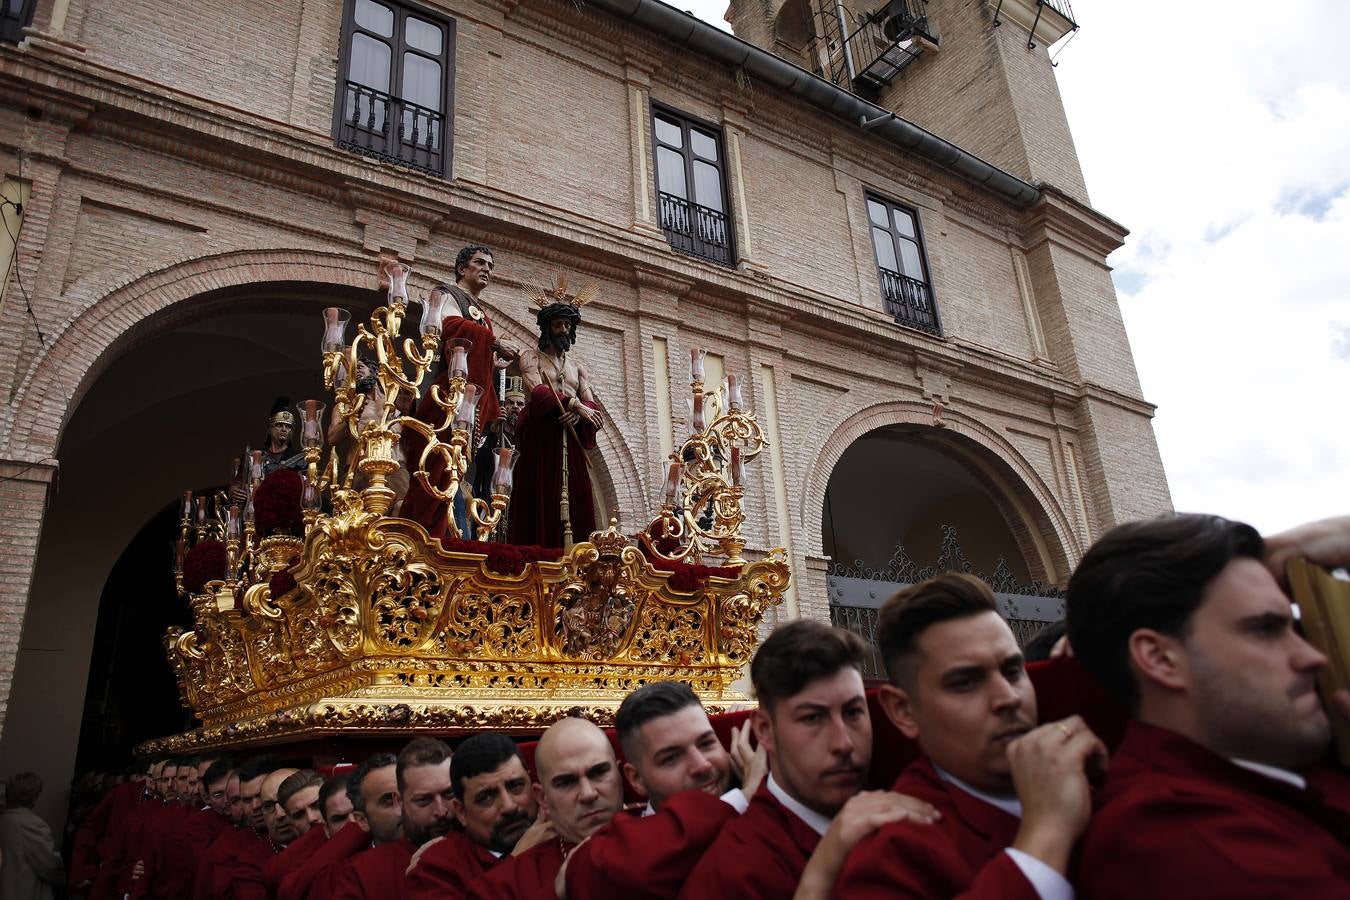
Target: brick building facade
point(198, 179)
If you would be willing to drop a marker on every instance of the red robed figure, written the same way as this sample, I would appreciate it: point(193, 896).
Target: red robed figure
point(533, 516)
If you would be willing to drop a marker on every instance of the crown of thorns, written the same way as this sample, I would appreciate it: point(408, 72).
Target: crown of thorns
point(556, 295)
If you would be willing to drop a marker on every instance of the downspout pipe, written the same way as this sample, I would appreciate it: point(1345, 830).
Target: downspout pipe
point(684, 29)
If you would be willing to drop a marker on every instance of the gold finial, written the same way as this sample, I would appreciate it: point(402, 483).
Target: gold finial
point(611, 541)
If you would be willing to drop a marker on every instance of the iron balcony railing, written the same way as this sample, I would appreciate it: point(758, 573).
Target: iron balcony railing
point(909, 300)
point(695, 229)
point(15, 16)
point(884, 43)
point(416, 138)
point(862, 622)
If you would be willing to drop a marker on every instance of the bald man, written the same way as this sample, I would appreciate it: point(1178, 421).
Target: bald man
point(249, 883)
point(580, 789)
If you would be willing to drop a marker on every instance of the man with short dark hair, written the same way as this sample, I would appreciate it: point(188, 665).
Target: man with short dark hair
point(579, 791)
point(1012, 797)
point(674, 757)
point(31, 867)
point(1215, 789)
point(377, 872)
point(315, 878)
point(126, 846)
point(180, 836)
point(494, 806)
point(298, 801)
point(216, 873)
point(813, 722)
point(105, 819)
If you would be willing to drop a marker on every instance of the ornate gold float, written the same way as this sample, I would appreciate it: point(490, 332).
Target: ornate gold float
point(363, 624)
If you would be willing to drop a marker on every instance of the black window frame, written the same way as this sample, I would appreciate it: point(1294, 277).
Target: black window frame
point(912, 301)
point(366, 139)
point(672, 213)
point(12, 24)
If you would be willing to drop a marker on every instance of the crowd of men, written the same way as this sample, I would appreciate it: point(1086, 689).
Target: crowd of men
point(1219, 784)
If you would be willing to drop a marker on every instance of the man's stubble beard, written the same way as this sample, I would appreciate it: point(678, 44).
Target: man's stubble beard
point(561, 342)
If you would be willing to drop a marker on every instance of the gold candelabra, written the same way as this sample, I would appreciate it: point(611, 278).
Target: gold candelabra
point(702, 513)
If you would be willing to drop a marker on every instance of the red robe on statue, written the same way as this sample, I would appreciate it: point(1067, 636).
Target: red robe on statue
point(316, 877)
point(959, 856)
point(377, 874)
point(760, 854)
point(1175, 820)
point(420, 505)
point(533, 517)
point(529, 876)
point(448, 868)
point(648, 857)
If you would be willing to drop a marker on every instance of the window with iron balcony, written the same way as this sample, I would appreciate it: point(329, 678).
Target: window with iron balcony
point(902, 265)
point(15, 16)
point(691, 195)
point(395, 85)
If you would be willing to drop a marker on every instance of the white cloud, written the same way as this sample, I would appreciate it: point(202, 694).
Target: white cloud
point(1219, 133)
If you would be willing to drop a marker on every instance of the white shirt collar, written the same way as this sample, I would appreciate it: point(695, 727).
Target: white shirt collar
point(648, 810)
point(818, 823)
point(1008, 803)
point(1274, 772)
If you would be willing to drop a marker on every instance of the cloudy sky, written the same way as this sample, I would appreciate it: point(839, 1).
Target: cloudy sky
point(1219, 134)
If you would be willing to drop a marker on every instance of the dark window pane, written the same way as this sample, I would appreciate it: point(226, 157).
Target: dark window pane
point(707, 185)
point(375, 17)
point(668, 132)
point(422, 36)
point(703, 145)
point(370, 63)
point(904, 223)
point(421, 81)
point(877, 213)
point(670, 172)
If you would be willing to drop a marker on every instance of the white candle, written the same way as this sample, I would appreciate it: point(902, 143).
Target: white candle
point(733, 392)
point(696, 364)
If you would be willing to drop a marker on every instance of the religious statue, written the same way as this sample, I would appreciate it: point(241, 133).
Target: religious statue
point(278, 451)
point(463, 324)
point(555, 429)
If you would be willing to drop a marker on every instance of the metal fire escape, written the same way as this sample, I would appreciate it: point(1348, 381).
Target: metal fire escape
point(879, 46)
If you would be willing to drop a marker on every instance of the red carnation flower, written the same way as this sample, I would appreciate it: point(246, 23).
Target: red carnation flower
point(277, 506)
point(206, 561)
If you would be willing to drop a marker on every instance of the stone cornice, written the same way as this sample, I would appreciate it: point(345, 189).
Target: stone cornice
point(1058, 214)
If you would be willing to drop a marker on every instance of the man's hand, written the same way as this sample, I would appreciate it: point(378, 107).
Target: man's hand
point(508, 353)
point(1050, 766)
point(417, 854)
point(542, 830)
point(590, 415)
point(1326, 542)
point(138, 870)
point(752, 763)
point(560, 881)
point(863, 814)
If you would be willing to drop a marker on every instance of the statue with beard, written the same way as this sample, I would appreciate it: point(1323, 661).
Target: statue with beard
point(554, 431)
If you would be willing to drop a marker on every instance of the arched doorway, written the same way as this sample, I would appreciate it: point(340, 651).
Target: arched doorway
point(905, 502)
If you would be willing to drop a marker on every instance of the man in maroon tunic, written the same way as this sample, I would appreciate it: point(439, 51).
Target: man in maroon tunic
point(125, 847)
point(813, 721)
point(675, 758)
point(102, 821)
point(1216, 789)
point(496, 809)
point(579, 790)
point(298, 799)
point(315, 878)
point(247, 879)
point(464, 321)
point(561, 407)
point(378, 872)
point(1012, 797)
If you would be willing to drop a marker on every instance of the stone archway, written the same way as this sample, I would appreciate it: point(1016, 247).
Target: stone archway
point(1043, 531)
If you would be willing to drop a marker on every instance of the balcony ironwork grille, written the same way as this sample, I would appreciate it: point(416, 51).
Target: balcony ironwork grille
point(884, 42)
point(15, 16)
point(416, 138)
point(694, 229)
point(909, 300)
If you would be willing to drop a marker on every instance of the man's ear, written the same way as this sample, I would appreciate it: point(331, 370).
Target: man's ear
point(361, 821)
point(539, 797)
point(899, 708)
point(1159, 658)
point(630, 772)
point(457, 810)
point(762, 723)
